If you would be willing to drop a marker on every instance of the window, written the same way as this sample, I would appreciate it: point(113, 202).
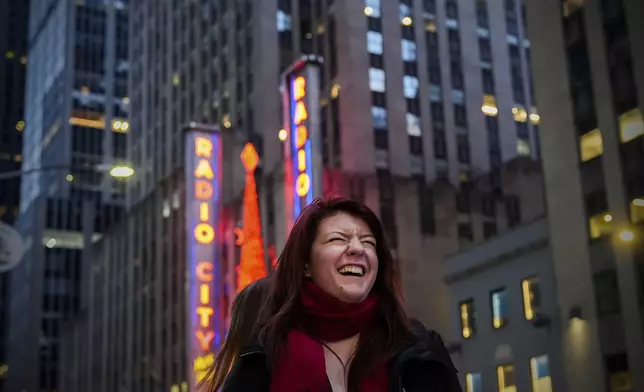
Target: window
point(377, 80)
point(631, 125)
point(283, 21)
point(463, 149)
point(379, 117)
point(413, 125)
point(410, 86)
point(540, 370)
point(374, 6)
point(408, 49)
point(513, 210)
point(381, 139)
point(374, 42)
point(523, 147)
point(489, 229)
point(637, 210)
point(591, 145)
point(485, 49)
point(531, 297)
point(499, 308)
point(607, 293)
point(460, 116)
point(465, 232)
point(440, 146)
point(415, 145)
point(468, 318)
point(600, 225)
point(506, 378)
point(488, 81)
point(473, 382)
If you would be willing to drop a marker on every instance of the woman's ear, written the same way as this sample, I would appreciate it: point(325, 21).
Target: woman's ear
point(307, 271)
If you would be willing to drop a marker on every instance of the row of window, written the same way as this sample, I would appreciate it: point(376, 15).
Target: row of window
point(506, 377)
point(499, 307)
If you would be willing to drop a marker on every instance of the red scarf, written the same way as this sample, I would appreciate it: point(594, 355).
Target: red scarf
point(324, 318)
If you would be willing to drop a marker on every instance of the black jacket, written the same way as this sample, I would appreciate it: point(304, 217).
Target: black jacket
point(423, 367)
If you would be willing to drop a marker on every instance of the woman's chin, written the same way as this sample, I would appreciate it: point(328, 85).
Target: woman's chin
point(352, 293)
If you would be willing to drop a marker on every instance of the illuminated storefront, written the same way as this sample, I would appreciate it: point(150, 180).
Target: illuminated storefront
point(303, 157)
point(206, 326)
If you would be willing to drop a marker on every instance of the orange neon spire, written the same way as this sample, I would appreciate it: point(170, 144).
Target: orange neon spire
point(252, 265)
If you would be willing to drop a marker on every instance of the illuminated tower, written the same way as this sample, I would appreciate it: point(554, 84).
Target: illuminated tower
point(252, 265)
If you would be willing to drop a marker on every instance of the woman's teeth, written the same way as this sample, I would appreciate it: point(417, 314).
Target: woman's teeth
point(351, 270)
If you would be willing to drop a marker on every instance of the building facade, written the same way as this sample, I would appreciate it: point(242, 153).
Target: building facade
point(589, 78)
point(504, 313)
point(75, 124)
point(13, 48)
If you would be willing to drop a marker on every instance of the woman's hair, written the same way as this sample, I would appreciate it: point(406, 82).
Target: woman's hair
point(392, 330)
point(242, 323)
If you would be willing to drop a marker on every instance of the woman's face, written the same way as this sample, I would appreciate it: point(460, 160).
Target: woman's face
point(344, 262)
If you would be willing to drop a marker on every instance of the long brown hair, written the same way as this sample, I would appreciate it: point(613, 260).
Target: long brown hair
point(242, 323)
point(392, 331)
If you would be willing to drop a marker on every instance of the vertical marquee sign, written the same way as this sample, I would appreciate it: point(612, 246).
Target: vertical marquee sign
point(301, 89)
point(203, 172)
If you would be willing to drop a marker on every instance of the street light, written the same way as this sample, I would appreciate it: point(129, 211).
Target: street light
point(121, 171)
point(117, 171)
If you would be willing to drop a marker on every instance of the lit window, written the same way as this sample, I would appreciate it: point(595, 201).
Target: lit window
point(523, 147)
point(489, 105)
point(410, 86)
point(10, 55)
point(499, 308)
point(535, 118)
point(435, 93)
point(468, 319)
point(406, 21)
point(176, 79)
point(430, 26)
point(335, 90)
point(631, 125)
point(531, 297)
point(283, 21)
point(17, 158)
point(379, 116)
point(520, 114)
point(374, 42)
point(405, 10)
point(413, 125)
point(372, 8)
point(408, 49)
point(20, 126)
point(637, 210)
point(591, 145)
point(377, 80)
point(23, 60)
point(600, 225)
point(473, 382)
point(540, 371)
point(458, 97)
point(505, 377)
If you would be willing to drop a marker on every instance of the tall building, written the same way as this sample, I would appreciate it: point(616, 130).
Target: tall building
point(13, 49)
point(589, 77)
point(74, 122)
point(411, 95)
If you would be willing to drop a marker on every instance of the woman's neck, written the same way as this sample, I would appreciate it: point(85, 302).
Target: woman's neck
point(337, 359)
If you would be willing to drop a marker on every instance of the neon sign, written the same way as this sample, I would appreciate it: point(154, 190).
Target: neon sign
point(203, 183)
point(303, 156)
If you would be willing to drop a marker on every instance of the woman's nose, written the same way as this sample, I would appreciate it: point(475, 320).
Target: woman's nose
point(356, 248)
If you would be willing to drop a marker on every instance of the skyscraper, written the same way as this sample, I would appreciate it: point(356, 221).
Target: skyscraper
point(75, 121)
point(13, 49)
point(589, 72)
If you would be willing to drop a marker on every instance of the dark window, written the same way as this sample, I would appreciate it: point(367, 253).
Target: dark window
point(465, 231)
point(415, 145)
point(463, 149)
point(513, 210)
point(489, 230)
point(440, 147)
point(607, 293)
point(381, 139)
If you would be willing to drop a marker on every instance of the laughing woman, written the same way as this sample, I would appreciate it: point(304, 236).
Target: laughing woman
point(333, 317)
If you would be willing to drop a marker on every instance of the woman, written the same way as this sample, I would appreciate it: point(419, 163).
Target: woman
point(333, 317)
point(243, 318)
